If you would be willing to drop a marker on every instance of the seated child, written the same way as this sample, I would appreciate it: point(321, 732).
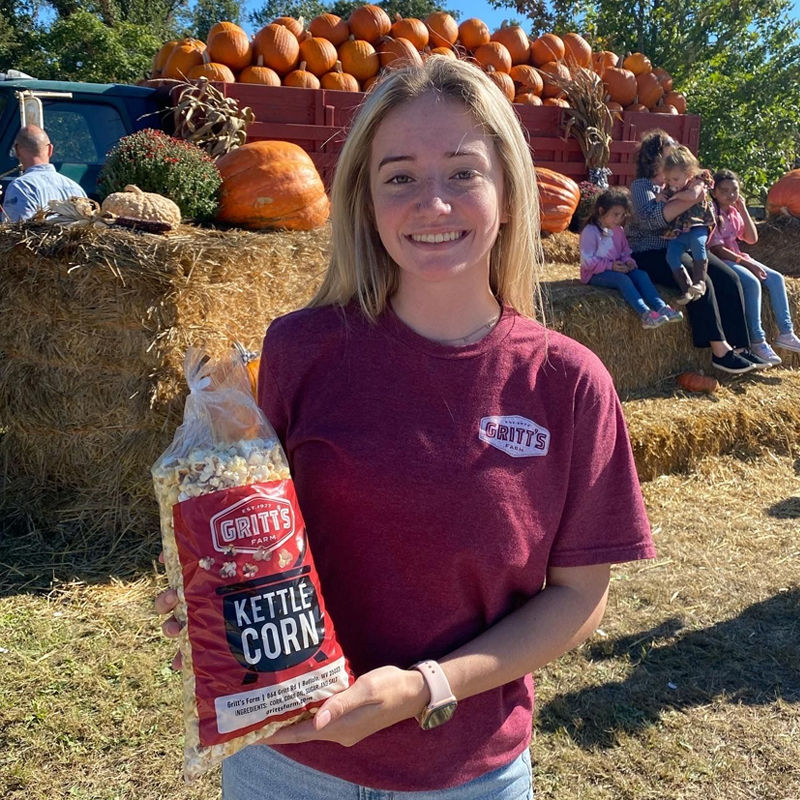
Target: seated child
point(606, 260)
point(689, 231)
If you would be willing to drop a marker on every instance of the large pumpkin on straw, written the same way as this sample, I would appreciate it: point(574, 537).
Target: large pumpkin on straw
point(558, 199)
point(784, 196)
point(271, 185)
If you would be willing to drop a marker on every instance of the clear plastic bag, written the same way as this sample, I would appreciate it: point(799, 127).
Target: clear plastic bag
point(258, 650)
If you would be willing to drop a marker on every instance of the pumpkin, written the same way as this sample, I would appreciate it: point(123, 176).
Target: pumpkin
point(613, 107)
point(279, 48)
point(339, 81)
point(560, 71)
point(398, 53)
point(503, 82)
point(181, 61)
point(602, 60)
point(515, 40)
point(212, 71)
point(473, 32)
point(649, 89)
point(558, 199)
point(301, 78)
point(258, 73)
point(271, 185)
point(319, 54)
point(676, 99)
point(230, 47)
point(135, 205)
point(369, 23)
point(330, 27)
point(291, 24)
point(577, 51)
point(414, 30)
point(638, 64)
point(359, 59)
point(558, 102)
point(528, 99)
point(664, 77)
point(221, 26)
point(620, 84)
point(442, 51)
point(527, 79)
point(666, 108)
point(369, 83)
point(640, 107)
point(695, 382)
point(161, 58)
point(783, 198)
point(442, 29)
point(547, 48)
point(494, 55)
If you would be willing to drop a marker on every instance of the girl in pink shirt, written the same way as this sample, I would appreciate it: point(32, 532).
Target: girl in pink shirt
point(606, 260)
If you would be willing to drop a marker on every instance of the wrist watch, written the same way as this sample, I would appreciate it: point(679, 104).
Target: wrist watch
point(443, 704)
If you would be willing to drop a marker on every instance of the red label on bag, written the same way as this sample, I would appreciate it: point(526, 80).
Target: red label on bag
point(263, 649)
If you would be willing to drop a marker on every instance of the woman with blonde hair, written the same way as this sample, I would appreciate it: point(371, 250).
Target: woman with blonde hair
point(464, 474)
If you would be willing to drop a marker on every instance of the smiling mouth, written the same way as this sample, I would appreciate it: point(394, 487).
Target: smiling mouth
point(436, 238)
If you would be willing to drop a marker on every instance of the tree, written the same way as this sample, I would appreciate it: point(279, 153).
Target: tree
point(207, 12)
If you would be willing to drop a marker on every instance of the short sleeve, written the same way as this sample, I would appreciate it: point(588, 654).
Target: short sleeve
point(270, 397)
point(17, 205)
point(604, 518)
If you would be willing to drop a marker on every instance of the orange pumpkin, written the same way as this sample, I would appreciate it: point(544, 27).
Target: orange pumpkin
point(676, 99)
point(527, 79)
point(258, 73)
point(369, 23)
point(181, 61)
point(621, 85)
point(638, 64)
point(783, 198)
point(442, 29)
point(666, 108)
point(558, 199)
point(230, 47)
point(279, 48)
point(515, 40)
point(528, 99)
point(547, 48)
point(221, 26)
point(502, 81)
point(551, 88)
point(369, 83)
point(319, 54)
point(291, 24)
point(359, 59)
point(441, 51)
point(473, 32)
point(301, 78)
point(649, 89)
point(558, 102)
point(577, 50)
point(664, 77)
point(613, 107)
point(330, 27)
point(271, 185)
point(695, 382)
point(602, 60)
point(640, 107)
point(494, 55)
point(339, 81)
point(412, 29)
point(161, 58)
point(398, 53)
point(212, 71)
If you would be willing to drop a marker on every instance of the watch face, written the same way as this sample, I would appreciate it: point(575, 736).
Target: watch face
point(439, 716)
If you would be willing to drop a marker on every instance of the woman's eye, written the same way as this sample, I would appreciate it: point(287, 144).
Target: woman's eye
point(466, 174)
point(399, 179)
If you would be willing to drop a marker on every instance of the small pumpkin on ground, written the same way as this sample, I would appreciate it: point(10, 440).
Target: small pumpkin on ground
point(695, 382)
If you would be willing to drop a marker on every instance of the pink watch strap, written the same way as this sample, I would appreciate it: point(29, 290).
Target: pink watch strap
point(438, 684)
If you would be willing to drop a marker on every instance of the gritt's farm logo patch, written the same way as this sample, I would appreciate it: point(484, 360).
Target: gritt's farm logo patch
point(517, 436)
point(253, 523)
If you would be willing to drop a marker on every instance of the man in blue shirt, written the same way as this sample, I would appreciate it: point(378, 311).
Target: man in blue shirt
point(39, 183)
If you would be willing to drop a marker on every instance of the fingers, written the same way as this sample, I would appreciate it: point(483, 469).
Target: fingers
point(171, 628)
point(177, 662)
point(166, 601)
point(161, 557)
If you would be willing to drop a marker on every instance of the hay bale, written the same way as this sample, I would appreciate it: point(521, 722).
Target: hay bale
point(96, 323)
point(778, 245)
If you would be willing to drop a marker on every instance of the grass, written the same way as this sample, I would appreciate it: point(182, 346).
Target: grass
point(691, 688)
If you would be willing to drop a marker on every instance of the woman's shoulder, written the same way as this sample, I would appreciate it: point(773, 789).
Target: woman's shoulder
point(309, 325)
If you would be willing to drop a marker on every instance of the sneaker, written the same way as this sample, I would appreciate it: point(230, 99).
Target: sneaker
point(671, 314)
point(732, 362)
point(763, 350)
point(756, 361)
point(652, 319)
point(788, 341)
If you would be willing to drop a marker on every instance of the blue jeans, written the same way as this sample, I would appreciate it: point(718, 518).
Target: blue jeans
point(260, 773)
point(635, 286)
point(692, 241)
point(751, 288)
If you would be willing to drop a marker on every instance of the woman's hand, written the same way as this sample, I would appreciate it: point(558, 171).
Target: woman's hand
point(165, 603)
point(740, 206)
point(378, 699)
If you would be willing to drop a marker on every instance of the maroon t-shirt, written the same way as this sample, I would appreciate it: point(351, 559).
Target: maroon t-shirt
point(438, 484)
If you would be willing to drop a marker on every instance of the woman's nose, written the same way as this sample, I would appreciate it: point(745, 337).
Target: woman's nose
point(433, 199)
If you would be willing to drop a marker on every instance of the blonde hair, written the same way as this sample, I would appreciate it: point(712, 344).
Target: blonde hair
point(359, 266)
point(681, 158)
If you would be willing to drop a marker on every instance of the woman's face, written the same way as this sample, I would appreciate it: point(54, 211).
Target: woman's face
point(726, 193)
point(437, 191)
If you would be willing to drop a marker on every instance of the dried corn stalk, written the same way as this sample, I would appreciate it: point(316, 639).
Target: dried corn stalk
point(205, 117)
point(79, 211)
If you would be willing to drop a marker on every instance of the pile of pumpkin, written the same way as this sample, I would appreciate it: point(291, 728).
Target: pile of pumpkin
point(333, 53)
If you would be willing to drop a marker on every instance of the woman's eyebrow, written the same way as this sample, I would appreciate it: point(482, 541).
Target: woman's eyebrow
point(465, 151)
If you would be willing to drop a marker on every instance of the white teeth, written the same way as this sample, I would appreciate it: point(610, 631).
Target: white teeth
point(435, 238)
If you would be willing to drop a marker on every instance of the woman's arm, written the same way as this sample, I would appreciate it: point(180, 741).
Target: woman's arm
point(682, 201)
point(653, 214)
